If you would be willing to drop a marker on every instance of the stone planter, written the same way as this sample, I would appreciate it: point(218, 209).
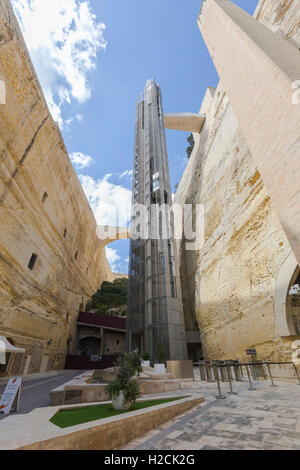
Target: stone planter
point(119, 403)
point(146, 364)
point(160, 368)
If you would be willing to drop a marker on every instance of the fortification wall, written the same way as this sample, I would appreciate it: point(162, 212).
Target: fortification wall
point(230, 284)
point(43, 211)
point(282, 17)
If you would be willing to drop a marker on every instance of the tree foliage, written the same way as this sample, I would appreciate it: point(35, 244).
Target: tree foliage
point(191, 146)
point(145, 356)
point(161, 353)
point(126, 368)
point(134, 359)
point(111, 295)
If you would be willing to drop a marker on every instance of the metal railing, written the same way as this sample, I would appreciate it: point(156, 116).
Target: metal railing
point(230, 371)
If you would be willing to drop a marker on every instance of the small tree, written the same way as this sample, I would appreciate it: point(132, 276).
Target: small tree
point(191, 146)
point(134, 360)
point(145, 356)
point(124, 381)
point(125, 370)
point(161, 353)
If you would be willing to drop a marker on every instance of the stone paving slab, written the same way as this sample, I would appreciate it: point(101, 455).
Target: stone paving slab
point(265, 419)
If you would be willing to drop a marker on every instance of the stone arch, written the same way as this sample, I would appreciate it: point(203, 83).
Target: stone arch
point(90, 345)
point(107, 235)
point(293, 306)
point(89, 335)
point(287, 274)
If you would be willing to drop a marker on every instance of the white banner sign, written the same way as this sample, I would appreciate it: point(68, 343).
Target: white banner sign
point(11, 396)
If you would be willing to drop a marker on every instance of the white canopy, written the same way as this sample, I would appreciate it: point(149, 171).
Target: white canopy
point(5, 346)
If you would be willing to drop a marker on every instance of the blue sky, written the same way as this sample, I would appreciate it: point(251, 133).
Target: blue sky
point(93, 59)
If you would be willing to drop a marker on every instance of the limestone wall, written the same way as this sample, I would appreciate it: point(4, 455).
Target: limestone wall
point(44, 211)
point(282, 17)
point(232, 280)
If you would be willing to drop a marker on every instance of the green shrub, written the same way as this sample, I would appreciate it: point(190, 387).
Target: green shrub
point(135, 362)
point(125, 370)
point(132, 391)
point(113, 388)
point(145, 356)
point(110, 295)
point(124, 381)
point(161, 353)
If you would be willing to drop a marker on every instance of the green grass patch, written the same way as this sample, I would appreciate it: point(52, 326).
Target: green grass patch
point(67, 418)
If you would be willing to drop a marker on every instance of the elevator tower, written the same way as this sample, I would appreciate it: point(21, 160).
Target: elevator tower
point(155, 320)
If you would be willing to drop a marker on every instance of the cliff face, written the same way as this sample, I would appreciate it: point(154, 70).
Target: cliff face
point(229, 285)
point(45, 217)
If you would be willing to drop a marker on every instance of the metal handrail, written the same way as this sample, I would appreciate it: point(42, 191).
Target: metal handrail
point(214, 365)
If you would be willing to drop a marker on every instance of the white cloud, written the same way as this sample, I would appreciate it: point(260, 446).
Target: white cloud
point(111, 203)
point(126, 174)
point(78, 118)
point(113, 258)
point(80, 160)
point(63, 38)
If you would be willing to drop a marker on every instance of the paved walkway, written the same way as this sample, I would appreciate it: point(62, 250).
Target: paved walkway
point(265, 419)
point(35, 391)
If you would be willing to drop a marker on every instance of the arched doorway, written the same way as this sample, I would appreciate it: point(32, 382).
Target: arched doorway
point(287, 309)
point(90, 346)
point(293, 305)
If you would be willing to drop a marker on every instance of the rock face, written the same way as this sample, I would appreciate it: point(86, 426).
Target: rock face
point(49, 262)
point(230, 286)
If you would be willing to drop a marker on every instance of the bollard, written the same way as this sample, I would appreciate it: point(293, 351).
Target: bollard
point(251, 386)
point(203, 368)
point(212, 372)
point(215, 372)
point(237, 373)
point(272, 381)
point(202, 372)
point(223, 373)
point(220, 396)
point(208, 373)
point(257, 370)
point(253, 373)
point(230, 382)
